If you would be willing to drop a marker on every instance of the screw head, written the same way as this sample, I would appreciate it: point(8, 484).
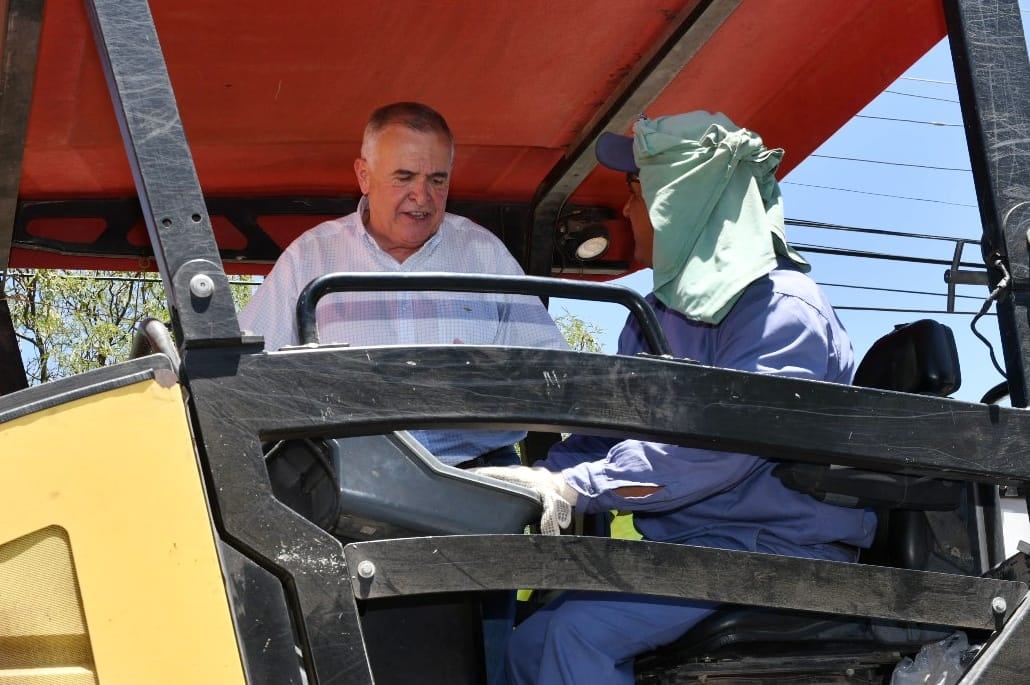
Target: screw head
point(202, 286)
point(999, 605)
point(366, 569)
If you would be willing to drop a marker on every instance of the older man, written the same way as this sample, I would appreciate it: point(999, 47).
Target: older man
point(401, 226)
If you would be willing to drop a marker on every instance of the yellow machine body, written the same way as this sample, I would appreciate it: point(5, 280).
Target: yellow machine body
point(109, 572)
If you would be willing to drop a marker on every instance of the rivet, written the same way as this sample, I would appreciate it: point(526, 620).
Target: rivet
point(202, 286)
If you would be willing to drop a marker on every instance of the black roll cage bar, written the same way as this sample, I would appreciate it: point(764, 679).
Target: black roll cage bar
point(477, 283)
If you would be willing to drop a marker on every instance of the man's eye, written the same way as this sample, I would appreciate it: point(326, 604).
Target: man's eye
point(439, 182)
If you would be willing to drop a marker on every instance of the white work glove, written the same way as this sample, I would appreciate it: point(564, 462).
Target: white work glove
point(556, 495)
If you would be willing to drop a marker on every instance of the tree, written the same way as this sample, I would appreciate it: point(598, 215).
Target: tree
point(68, 322)
point(580, 335)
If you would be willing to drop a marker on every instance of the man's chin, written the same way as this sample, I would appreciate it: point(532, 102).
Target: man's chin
point(424, 228)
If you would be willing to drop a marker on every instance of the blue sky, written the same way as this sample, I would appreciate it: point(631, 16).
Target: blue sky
point(916, 180)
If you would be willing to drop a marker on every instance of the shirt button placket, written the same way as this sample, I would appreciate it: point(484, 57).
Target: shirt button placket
point(407, 320)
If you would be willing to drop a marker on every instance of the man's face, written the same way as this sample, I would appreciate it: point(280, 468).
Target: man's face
point(635, 210)
point(406, 178)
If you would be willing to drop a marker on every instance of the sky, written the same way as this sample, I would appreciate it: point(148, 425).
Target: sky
point(900, 165)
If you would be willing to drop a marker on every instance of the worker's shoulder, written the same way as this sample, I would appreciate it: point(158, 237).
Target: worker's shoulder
point(788, 286)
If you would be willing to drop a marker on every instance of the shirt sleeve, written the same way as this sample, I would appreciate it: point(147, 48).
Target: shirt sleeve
point(271, 311)
point(782, 337)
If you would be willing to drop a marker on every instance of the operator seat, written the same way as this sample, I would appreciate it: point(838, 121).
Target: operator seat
point(919, 357)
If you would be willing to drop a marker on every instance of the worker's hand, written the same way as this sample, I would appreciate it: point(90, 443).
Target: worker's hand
point(556, 495)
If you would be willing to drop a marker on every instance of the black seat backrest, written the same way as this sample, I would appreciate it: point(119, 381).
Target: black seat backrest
point(919, 357)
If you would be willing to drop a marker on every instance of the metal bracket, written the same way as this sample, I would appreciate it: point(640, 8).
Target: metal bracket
point(955, 275)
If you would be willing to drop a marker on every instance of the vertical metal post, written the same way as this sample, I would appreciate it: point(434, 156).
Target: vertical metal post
point(687, 34)
point(20, 42)
point(170, 196)
point(993, 75)
point(12, 368)
point(204, 315)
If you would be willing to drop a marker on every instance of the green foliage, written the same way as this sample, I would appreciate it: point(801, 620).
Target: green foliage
point(580, 335)
point(68, 322)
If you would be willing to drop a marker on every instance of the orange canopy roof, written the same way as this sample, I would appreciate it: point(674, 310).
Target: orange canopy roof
point(273, 97)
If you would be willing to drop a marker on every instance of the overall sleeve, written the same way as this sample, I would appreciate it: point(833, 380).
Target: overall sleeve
point(576, 449)
point(783, 337)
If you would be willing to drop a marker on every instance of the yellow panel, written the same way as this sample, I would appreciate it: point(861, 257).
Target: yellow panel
point(48, 676)
point(39, 595)
point(41, 623)
point(118, 472)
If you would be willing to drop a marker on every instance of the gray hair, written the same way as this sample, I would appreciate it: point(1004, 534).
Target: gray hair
point(413, 115)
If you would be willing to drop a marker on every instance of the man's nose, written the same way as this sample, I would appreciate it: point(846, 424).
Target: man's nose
point(420, 190)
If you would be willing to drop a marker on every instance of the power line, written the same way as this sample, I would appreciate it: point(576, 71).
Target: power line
point(805, 223)
point(900, 310)
point(906, 164)
point(866, 192)
point(849, 286)
point(886, 256)
point(923, 97)
point(927, 80)
point(907, 121)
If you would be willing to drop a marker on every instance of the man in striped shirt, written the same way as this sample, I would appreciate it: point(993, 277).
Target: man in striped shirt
point(401, 226)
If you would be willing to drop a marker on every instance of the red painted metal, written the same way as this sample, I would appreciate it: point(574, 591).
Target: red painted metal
point(274, 97)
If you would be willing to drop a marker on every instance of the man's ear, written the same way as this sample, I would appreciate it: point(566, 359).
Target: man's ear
point(361, 171)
